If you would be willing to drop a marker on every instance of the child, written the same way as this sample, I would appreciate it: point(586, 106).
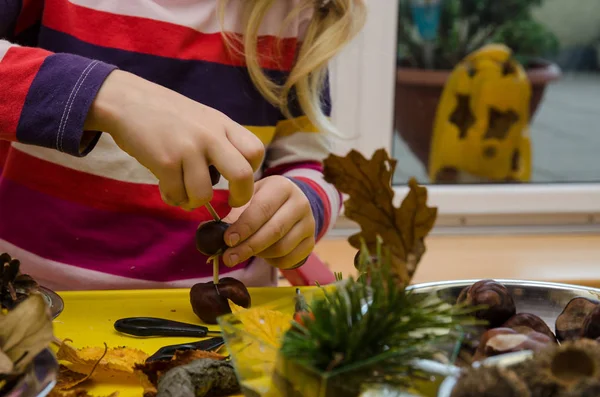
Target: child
point(174, 86)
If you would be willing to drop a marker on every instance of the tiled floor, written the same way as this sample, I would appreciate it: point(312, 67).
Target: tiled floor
point(565, 135)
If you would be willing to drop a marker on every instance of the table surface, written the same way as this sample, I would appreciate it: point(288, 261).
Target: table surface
point(88, 320)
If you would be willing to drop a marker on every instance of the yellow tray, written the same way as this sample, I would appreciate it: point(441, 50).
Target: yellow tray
point(88, 319)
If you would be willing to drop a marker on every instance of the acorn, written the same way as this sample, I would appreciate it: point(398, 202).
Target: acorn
point(210, 237)
point(210, 300)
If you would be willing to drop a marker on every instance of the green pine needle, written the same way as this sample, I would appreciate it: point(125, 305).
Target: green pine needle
point(372, 321)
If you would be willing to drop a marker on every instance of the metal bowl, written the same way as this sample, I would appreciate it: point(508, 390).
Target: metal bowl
point(544, 299)
point(54, 301)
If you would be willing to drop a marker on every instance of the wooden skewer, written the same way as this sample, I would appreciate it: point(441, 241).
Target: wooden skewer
point(212, 212)
point(215, 261)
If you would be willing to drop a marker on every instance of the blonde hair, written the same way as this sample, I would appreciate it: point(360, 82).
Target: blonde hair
point(332, 25)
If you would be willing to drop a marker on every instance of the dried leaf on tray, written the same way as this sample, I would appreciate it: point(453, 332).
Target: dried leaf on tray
point(68, 379)
point(367, 182)
point(117, 359)
point(263, 324)
point(76, 393)
point(25, 331)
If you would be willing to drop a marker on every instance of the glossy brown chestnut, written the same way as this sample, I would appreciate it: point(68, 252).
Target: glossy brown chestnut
point(210, 301)
point(210, 238)
point(591, 324)
point(569, 323)
point(506, 340)
point(523, 322)
point(499, 304)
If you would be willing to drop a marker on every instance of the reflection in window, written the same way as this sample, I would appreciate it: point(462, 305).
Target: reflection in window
point(492, 91)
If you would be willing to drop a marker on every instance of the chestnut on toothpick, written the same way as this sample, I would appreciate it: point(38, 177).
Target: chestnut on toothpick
point(211, 300)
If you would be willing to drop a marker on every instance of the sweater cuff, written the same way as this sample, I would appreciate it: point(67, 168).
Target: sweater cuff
point(58, 101)
point(316, 204)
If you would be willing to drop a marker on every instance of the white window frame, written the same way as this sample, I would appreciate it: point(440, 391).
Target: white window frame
point(363, 89)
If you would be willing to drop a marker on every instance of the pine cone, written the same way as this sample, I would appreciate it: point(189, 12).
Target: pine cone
point(14, 286)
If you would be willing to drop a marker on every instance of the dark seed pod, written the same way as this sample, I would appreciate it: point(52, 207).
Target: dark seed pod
point(591, 324)
point(210, 301)
point(498, 341)
point(210, 237)
point(499, 304)
point(215, 175)
point(569, 324)
point(531, 321)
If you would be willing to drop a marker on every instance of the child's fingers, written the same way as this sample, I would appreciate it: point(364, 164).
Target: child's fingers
point(197, 178)
point(263, 207)
point(272, 229)
point(246, 143)
point(236, 169)
point(299, 232)
point(299, 254)
point(172, 188)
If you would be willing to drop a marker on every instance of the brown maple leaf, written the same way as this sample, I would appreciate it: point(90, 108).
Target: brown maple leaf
point(370, 204)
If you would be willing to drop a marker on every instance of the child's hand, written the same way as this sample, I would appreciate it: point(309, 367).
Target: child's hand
point(277, 225)
point(177, 139)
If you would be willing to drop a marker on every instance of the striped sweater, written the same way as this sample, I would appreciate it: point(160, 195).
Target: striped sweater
point(95, 219)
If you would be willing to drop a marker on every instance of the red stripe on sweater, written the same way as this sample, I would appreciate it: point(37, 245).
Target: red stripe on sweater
point(283, 168)
point(159, 38)
point(18, 69)
point(31, 13)
point(326, 204)
point(99, 192)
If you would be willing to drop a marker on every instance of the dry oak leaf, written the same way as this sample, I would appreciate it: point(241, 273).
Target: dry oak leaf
point(24, 332)
point(75, 393)
point(117, 359)
point(371, 205)
point(68, 379)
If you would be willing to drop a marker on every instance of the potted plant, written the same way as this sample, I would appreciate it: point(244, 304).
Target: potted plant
point(435, 35)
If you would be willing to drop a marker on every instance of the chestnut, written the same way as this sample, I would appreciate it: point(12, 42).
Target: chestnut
point(569, 323)
point(210, 237)
point(499, 304)
point(591, 324)
point(506, 340)
point(210, 300)
point(527, 322)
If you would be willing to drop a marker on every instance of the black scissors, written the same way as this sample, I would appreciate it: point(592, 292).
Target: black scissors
point(152, 326)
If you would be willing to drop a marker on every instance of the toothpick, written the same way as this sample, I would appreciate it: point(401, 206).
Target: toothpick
point(215, 261)
point(212, 212)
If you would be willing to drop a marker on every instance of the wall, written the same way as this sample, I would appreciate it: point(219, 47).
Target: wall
point(575, 22)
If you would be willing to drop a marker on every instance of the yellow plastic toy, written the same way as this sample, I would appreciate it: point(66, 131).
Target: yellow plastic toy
point(482, 121)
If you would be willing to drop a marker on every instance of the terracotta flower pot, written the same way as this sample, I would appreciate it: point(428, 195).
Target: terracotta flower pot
point(418, 92)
